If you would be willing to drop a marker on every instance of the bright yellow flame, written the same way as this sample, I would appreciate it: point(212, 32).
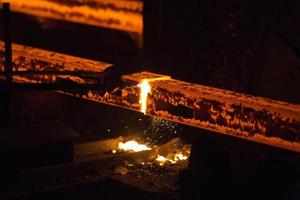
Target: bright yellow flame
point(177, 157)
point(161, 159)
point(145, 89)
point(133, 146)
point(180, 156)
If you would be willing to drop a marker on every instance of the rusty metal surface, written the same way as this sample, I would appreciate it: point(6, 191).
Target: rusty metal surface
point(121, 15)
point(25, 56)
point(253, 118)
point(257, 119)
point(49, 66)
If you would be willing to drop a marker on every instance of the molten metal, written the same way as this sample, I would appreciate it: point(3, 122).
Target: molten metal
point(145, 90)
point(171, 158)
point(133, 146)
point(177, 157)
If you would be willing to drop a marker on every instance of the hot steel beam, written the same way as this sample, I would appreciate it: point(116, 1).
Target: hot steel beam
point(124, 15)
point(41, 66)
point(253, 118)
point(30, 58)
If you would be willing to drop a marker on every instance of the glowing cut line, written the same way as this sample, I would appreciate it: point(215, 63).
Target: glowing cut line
point(146, 89)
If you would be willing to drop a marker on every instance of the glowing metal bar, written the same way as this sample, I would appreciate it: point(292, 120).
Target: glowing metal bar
point(253, 118)
point(30, 58)
point(121, 15)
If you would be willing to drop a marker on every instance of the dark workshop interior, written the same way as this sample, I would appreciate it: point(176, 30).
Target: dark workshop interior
point(149, 99)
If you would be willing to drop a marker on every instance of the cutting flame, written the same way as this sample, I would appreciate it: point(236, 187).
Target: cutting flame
point(145, 90)
point(133, 146)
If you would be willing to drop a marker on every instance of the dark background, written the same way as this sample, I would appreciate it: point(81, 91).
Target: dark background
point(249, 46)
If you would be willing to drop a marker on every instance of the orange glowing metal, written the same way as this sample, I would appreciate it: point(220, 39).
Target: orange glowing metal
point(119, 15)
point(177, 157)
point(146, 89)
point(133, 146)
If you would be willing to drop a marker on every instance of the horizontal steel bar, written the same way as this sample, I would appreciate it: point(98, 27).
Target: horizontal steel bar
point(119, 15)
point(30, 58)
point(249, 117)
point(50, 86)
point(71, 73)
